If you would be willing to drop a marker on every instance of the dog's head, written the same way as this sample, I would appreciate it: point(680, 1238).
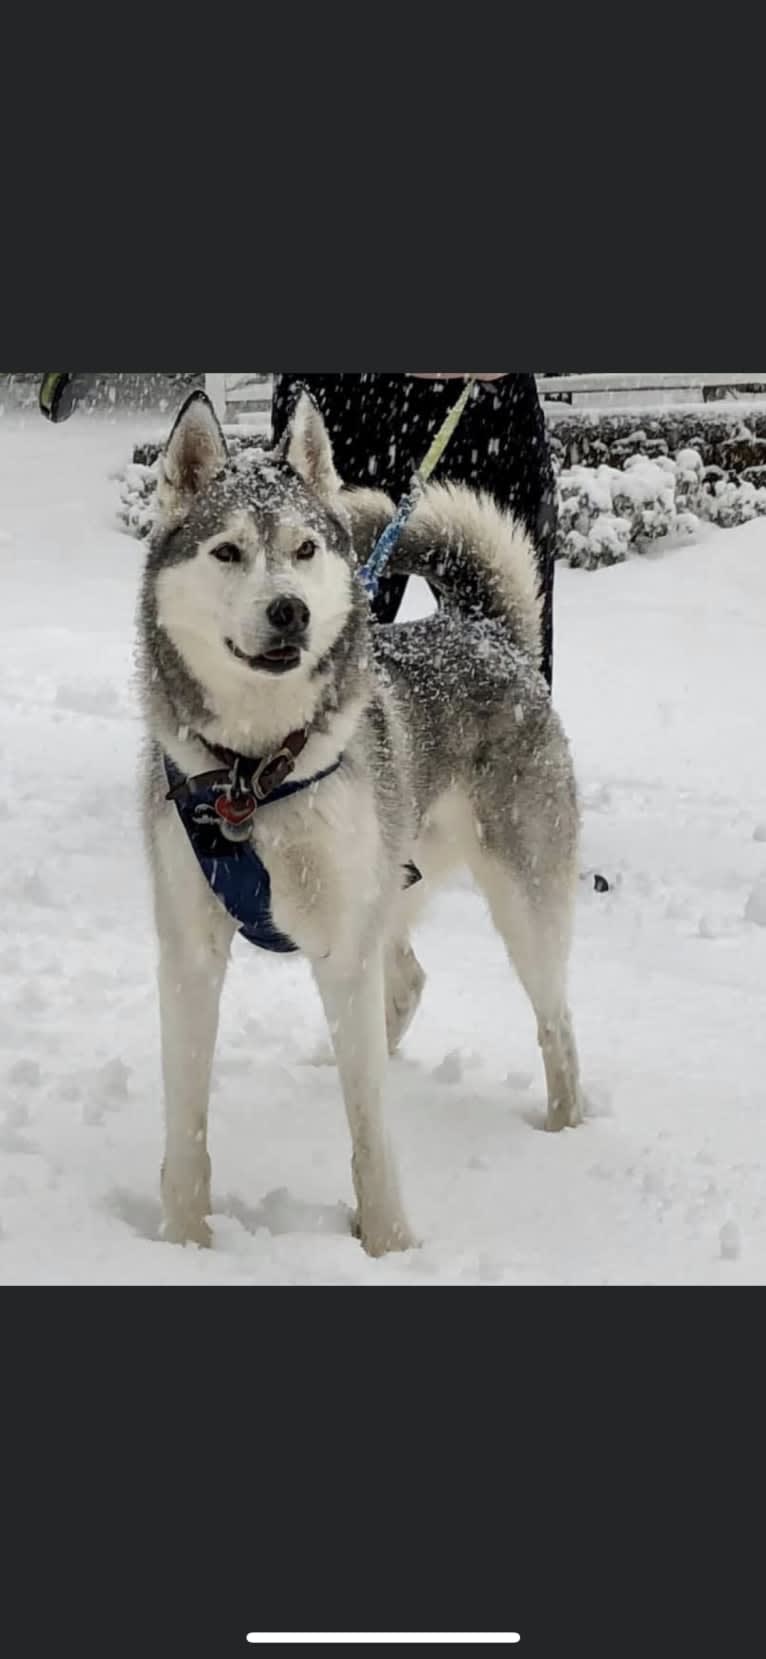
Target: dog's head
point(252, 558)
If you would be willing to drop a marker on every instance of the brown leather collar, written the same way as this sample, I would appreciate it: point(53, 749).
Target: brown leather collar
point(249, 776)
point(262, 774)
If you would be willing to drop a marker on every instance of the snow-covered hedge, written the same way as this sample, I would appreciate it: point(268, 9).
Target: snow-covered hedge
point(604, 511)
point(137, 487)
point(729, 435)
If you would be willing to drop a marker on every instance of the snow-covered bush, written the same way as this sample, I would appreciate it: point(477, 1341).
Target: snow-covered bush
point(604, 511)
point(728, 503)
point(591, 532)
point(689, 480)
point(645, 494)
point(137, 489)
point(138, 485)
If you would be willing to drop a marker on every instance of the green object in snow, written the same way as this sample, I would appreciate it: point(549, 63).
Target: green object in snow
point(57, 396)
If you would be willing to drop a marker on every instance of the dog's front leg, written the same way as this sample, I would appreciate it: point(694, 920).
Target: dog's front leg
point(354, 1003)
point(194, 937)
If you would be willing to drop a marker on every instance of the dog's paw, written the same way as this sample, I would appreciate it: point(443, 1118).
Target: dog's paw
point(568, 1116)
point(186, 1203)
point(187, 1229)
point(384, 1236)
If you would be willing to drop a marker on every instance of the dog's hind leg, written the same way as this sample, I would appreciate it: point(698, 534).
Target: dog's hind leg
point(405, 980)
point(404, 977)
point(536, 928)
point(354, 1003)
point(194, 937)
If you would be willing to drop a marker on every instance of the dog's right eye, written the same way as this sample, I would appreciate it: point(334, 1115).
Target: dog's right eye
point(227, 554)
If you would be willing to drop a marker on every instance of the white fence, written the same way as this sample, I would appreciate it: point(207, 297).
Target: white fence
point(629, 391)
point(245, 399)
point(241, 399)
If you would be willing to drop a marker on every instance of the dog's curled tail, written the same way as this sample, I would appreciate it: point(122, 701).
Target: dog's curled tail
point(478, 558)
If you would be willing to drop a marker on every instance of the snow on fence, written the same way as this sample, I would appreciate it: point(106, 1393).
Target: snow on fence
point(647, 390)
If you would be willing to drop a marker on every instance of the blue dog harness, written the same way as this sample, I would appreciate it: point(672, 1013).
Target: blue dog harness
point(216, 811)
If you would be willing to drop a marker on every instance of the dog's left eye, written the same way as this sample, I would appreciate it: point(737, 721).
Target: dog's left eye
point(306, 550)
point(227, 554)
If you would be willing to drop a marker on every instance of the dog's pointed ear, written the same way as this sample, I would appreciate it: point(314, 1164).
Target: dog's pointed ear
point(307, 449)
point(194, 453)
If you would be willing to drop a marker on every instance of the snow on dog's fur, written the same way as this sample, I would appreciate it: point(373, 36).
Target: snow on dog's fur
point(253, 627)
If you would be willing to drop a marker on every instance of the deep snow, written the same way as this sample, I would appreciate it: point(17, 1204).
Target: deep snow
point(661, 679)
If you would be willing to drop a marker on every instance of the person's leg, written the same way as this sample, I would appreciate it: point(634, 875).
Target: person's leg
point(545, 542)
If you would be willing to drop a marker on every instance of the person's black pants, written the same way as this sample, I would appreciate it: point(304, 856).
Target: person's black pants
point(381, 426)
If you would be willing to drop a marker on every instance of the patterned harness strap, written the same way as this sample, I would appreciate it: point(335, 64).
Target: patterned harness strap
point(217, 819)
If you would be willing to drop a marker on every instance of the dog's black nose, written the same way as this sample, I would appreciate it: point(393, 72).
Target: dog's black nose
point(289, 616)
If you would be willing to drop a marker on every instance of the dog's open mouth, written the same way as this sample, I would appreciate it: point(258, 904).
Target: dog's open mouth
point(279, 660)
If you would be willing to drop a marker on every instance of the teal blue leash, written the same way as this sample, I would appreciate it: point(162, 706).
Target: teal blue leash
point(371, 573)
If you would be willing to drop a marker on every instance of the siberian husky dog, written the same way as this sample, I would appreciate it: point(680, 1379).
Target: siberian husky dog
point(345, 767)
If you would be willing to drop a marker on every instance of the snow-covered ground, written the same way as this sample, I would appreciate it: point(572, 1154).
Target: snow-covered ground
point(661, 681)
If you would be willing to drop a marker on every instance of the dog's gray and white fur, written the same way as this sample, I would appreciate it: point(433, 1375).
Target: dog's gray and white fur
point(453, 755)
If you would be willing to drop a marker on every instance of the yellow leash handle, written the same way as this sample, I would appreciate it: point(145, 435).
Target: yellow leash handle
point(445, 433)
